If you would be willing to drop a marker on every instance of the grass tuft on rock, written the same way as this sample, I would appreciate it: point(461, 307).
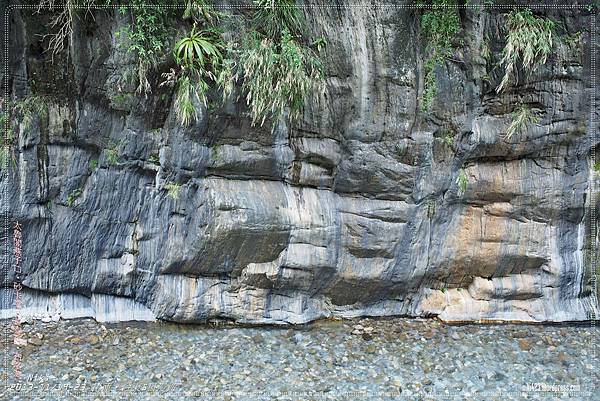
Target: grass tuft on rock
point(440, 24)
point(523, 116)
point(529, 42)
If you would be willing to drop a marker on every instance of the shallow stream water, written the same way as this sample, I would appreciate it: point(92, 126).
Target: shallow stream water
point(363, 359)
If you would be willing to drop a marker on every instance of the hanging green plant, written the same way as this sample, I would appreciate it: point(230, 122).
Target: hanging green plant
point(530, 40)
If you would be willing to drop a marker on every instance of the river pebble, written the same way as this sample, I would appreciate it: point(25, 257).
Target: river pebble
point(363, 359)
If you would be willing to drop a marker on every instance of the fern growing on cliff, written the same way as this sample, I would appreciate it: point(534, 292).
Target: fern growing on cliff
point(228, 74)
point(23, 113)
point(198, 55)
point(197, 49)
point(277, 77)
point(146, 36)
point(202, 10)
point(173, 190)
point(73, 196)
point(112, 153)
point(277, 16)
point(530, 40)
point(277, 70)
point(30, 107)
point(439, 24)
point(188, 96)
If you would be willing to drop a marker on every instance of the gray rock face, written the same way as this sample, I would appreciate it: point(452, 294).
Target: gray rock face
point(354, 210)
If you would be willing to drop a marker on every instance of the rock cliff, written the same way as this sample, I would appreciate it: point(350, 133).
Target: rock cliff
point(367, 205)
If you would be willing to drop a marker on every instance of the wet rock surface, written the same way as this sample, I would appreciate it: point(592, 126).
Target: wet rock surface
point(327, 360)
